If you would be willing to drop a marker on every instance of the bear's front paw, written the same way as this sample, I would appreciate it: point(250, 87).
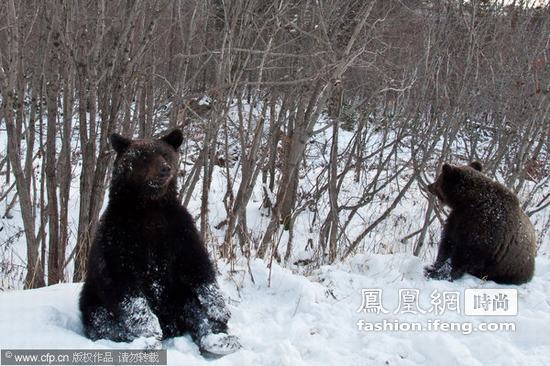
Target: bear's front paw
point(152, 343)
point(432, 272)
point(428, 271)
point(219, 344)
point(212, 299)
point(438, 272)
point(139, 320)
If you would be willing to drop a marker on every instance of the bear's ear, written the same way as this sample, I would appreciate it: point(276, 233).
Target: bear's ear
point(119, 142)
point(476, 165)
point(447, 169)
point(174, 139)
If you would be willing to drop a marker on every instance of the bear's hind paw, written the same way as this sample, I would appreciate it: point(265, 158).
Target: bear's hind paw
point(146, 343)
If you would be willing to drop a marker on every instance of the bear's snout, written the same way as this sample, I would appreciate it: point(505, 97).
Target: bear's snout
point(165, 171)
point(160, 173)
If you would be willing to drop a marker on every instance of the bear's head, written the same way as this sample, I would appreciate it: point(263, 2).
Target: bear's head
point(145, 168)
point(457, 184)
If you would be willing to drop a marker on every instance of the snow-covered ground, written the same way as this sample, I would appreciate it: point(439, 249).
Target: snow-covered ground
point(303, 315)
point(299, 320)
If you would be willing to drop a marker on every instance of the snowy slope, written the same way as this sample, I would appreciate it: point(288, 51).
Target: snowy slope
point(312, 320)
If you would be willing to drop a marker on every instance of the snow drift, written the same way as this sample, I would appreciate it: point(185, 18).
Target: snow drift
point(298, 320)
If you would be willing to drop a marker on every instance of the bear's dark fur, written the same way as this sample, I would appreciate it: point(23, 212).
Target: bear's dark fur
point(487, 234)
point(149, 274)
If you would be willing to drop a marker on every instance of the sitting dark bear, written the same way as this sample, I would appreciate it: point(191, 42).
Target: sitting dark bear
point(487, 234)
point(148, 271)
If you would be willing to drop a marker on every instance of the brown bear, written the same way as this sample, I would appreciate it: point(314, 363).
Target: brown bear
point(149, 274)
point(487, 234)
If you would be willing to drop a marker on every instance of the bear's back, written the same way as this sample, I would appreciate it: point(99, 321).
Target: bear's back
point(515, 260)
point(498, 231)
point(495, 237)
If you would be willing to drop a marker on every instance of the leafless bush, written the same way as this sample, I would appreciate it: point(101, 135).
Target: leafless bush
point(335, 109)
